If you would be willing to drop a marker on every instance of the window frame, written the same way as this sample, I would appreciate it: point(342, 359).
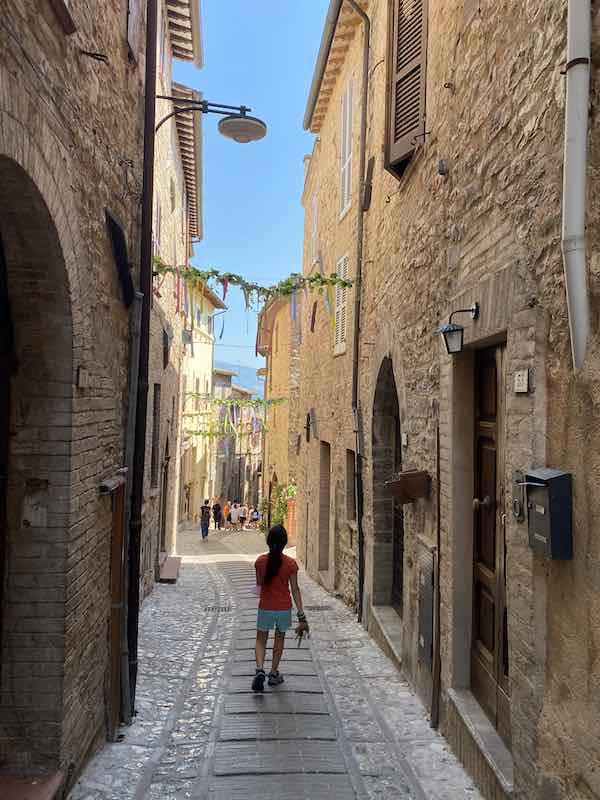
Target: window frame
point(346, 109)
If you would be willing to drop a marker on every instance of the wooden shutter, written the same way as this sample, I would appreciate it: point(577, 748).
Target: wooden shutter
point(341, 298)
point(408, 79)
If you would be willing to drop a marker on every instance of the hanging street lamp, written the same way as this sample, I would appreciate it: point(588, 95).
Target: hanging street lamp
point(453, 333)
point(236, 124)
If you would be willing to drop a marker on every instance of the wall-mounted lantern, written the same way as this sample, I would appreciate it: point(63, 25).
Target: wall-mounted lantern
point(454, 334)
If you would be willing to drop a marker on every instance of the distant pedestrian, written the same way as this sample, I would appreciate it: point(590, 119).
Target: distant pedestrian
point(255, 518)
point(235, 516)
point(205, 518)
point(227, 514)
point(217, 515)
point(276, 574)
point(243, 516)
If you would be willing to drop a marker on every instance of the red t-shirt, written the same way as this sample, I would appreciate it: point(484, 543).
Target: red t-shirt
point(275, 595)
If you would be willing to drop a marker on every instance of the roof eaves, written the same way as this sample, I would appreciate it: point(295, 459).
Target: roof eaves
point(335, 6)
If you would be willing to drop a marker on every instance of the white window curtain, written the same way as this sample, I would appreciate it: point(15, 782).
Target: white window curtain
point(341, 303)
point(346, 150)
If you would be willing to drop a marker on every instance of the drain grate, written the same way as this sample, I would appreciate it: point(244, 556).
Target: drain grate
point(220, 609)
point(317, 608)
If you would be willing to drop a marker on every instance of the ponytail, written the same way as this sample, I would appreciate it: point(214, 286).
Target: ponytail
point(277, 540)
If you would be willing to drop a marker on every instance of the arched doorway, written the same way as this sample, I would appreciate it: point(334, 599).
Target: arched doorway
point(36, 386)
point(388, 519)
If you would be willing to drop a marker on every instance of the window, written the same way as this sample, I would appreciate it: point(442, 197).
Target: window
point(350, 486)
point(276, 339)
point(134, 27)
point(155, 437)
point(341, 302)
point(346, 151)
point(313, 317)
point(166, 348)
point(406, 93)
point(172, 193)
point(157, 228)
point(163, 35)
point(314, 244)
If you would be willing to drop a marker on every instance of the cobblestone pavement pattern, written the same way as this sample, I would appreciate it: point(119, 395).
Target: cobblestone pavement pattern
point(343, 725)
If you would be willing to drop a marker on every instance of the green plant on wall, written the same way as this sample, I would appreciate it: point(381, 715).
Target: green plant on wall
point(281, 495)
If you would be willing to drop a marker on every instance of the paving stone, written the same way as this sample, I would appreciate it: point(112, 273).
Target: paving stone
point(235, 758)
point(283, 787)
point(292, 683)
point(290, 654)
point(277, 726)
point(275, 703)
point(200, 733)
point(291, 668)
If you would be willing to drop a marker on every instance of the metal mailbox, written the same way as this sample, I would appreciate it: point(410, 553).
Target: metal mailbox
point(550, 512)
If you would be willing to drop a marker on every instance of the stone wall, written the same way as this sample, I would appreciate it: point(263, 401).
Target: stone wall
point(70, 148)
point(281, 438)
point(488, 232)
point(170, 240)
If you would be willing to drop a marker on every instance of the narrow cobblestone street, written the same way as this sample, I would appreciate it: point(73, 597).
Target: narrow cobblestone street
point(343, 725)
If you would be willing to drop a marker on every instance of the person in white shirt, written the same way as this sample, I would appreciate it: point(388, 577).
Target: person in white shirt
point(235, 516)
point(243, 516)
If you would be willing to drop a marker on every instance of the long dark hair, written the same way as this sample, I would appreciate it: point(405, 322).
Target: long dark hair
point(277, 540)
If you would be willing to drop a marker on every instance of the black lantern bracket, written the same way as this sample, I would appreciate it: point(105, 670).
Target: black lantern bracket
point(453, 333)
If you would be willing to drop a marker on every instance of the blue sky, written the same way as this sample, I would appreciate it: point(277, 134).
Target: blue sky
point(260, 54)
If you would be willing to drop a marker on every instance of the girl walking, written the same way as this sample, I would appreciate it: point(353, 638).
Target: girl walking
point(277, 576)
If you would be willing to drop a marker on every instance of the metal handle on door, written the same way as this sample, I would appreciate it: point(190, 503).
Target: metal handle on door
point(479, 504)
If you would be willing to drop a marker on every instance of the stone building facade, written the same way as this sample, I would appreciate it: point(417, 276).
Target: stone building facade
point(198, 452)
point(177, 224)
point(461, 204)
point(238, 458)
point(278, 340)
point(71, 147)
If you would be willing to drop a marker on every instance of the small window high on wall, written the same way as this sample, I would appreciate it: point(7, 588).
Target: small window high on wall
point(407, 76)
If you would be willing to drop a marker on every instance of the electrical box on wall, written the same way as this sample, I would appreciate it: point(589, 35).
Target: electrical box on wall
point(550, 512)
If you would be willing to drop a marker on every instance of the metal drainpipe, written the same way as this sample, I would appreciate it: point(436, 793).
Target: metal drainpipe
point(579, 37)
point(139, 457)
point(134, 361)
point(356, 410)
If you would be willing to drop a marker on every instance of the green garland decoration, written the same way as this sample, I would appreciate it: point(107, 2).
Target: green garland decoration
point(236, 402)
point(197, 279)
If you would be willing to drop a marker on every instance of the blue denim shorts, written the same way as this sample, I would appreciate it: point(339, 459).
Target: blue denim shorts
point(280, 620)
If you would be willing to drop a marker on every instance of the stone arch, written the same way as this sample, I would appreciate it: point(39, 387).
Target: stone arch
point(388, 522)
point(37, 384)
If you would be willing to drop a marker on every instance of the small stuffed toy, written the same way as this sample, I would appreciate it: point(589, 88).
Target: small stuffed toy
point(302, 627)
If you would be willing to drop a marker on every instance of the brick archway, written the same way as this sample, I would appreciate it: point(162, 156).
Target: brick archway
point(388, 524)
point(34, 531)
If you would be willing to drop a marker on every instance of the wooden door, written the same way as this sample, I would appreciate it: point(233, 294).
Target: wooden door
point(489, 652)
point(6, 366)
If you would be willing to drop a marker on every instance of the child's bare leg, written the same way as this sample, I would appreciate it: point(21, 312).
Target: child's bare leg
point(278, 650)
point(261, 646)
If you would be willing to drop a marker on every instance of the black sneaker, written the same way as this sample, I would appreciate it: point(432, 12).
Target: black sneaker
point(258, 684)
point(275, 678)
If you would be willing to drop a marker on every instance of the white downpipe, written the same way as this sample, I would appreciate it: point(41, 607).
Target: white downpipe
point(579, 33)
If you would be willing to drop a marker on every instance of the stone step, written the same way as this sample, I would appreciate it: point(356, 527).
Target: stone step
point(169, 571)
point(42, 788)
